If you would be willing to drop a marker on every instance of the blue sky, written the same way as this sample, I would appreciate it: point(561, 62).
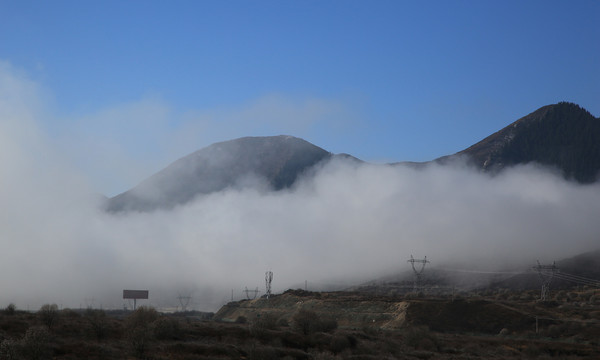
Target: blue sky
point(129, 86)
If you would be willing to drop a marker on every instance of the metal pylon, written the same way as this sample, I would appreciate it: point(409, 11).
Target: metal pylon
point(418, 273)
point(546, 274)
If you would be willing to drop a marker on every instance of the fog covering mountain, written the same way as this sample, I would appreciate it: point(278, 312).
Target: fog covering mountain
point(562, 136)
point(341, 221)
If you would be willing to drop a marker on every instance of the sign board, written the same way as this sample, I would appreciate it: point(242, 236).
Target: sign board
point(135, 294)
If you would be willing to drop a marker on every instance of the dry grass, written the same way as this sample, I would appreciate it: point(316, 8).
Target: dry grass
point(434, 330)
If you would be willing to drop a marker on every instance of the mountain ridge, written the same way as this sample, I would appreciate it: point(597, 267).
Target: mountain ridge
point(564, 136)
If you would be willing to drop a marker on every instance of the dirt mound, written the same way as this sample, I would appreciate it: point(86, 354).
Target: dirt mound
point(349, 310)
point(352, 310)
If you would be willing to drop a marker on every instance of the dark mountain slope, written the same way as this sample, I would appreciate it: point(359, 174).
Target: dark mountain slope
point(277, 159)
point(564, 136)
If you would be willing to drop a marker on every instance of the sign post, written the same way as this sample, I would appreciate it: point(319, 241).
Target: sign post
point(135, 294)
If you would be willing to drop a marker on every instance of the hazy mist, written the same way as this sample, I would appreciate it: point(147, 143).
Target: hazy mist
point(347, 223)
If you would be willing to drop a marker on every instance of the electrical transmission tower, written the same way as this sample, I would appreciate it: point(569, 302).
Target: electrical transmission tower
point(418, 273)
point(546, 273)
point(248, 292)
point(184, 300)
point(268, 280)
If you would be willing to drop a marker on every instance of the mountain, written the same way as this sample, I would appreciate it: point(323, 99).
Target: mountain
point(279, 160)
point(564, 136)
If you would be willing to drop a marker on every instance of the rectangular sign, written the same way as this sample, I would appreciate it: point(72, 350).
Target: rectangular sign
point(135, 294)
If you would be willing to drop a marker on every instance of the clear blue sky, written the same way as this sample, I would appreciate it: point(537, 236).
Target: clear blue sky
point(132, 85)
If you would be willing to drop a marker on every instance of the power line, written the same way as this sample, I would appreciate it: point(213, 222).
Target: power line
point(577, 279)
point(480, 271)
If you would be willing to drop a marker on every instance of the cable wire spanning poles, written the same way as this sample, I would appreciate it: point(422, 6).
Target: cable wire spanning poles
point(577, 279)
point(547, 274)
point(268, 280)
point(418, 273)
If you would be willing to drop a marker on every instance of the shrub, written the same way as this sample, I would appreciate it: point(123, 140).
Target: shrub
point(420, 337)
point(140, 330)
point(10, 309)
point(97, 322)
point(35, 345)
point(167, 329)
point(70, 313)
point(265, 321)
point(327, 325)
point(144, 316)
point(339, 343)
point(257, 352)
point(9, 349)
point(307, 322)
point(325, 356)
point(49, 315)
point(261, 327)
point(283, 322)
point(367, 326)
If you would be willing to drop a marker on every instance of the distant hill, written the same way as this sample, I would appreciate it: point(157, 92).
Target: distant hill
point(564, 136)
point(278, 160)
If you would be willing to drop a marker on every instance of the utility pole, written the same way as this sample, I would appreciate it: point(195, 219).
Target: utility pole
point(418, 273)
point(546, 273)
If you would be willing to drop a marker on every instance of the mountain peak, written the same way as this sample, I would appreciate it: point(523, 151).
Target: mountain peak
point(563, 135)
point(278, 160)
